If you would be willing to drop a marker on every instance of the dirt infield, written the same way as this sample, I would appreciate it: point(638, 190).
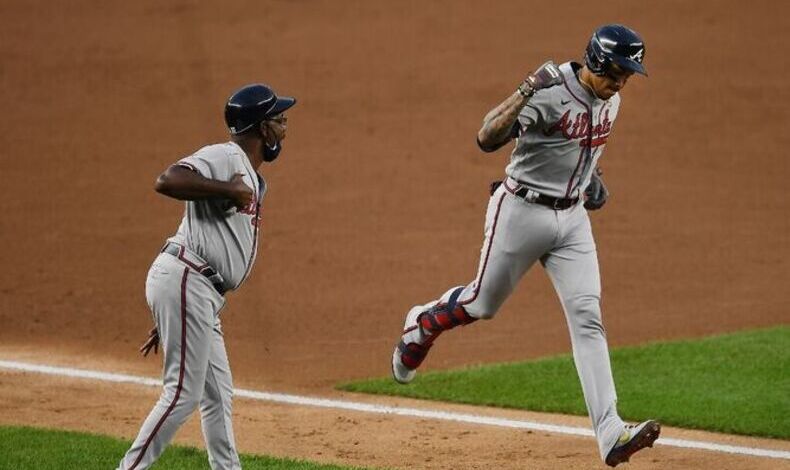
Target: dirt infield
point(378, 200)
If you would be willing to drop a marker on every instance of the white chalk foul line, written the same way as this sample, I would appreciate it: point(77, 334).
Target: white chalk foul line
point(390, 410)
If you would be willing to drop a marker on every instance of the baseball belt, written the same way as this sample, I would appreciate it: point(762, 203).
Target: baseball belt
point(530, 195)
point(198, 265)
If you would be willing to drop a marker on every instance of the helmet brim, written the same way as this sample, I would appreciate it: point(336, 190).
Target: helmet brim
point(282, 104)
point(630, 65)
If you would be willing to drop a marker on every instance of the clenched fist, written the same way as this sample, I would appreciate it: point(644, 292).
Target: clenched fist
point(240, 194)
point(546, 76)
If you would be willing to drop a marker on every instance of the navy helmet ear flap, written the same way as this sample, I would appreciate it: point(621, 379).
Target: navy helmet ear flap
point(594, 58)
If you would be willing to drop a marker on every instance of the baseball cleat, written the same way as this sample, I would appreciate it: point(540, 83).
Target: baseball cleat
point(409, 353)
point(634, 438)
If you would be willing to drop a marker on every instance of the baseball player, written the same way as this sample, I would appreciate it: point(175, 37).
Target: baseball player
point(560, 118)
point(211, 253)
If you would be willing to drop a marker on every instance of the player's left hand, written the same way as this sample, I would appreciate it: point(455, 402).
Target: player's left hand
point(596, 194)
point(546, 76)
point(151, 343)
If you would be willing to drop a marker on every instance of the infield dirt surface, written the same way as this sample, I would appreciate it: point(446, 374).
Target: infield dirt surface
point(377, 201)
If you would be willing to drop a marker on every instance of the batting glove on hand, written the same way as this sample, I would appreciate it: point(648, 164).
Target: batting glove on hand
point(595, 195)
point(546, 76)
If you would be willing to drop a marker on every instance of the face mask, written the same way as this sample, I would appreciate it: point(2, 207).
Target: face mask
point(270, 153)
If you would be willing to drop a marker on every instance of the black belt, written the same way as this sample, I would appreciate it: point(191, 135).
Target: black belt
point(206, 270)
point(556, 203)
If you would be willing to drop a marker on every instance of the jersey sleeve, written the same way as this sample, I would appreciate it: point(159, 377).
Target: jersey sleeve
point(210, 162)
point(536, 110)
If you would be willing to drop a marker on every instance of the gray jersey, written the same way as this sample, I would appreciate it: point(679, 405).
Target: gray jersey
point(226, 238)
point(558, 143)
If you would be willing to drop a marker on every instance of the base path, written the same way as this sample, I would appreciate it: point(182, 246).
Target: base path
point(358, 417)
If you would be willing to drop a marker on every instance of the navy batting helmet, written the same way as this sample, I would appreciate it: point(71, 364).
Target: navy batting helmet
point(615, 43)
point(252, 104)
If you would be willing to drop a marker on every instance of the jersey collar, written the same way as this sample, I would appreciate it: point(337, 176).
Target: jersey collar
point(570, 71)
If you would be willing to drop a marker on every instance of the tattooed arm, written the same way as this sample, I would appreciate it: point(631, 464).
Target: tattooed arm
point(498, 124)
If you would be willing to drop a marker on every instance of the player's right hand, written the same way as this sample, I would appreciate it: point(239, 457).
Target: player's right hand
point(151, 343)
point(241, 195)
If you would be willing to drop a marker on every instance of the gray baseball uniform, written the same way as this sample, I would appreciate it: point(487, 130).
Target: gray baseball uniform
point(553, 156)
point(560, 134)
point(212, 252)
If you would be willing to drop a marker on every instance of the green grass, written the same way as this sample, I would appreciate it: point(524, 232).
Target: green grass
point(737, 383)
point(23, 448)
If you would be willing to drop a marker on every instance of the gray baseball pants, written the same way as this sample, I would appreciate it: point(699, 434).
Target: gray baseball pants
point(196, 372)
point(519, 233)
